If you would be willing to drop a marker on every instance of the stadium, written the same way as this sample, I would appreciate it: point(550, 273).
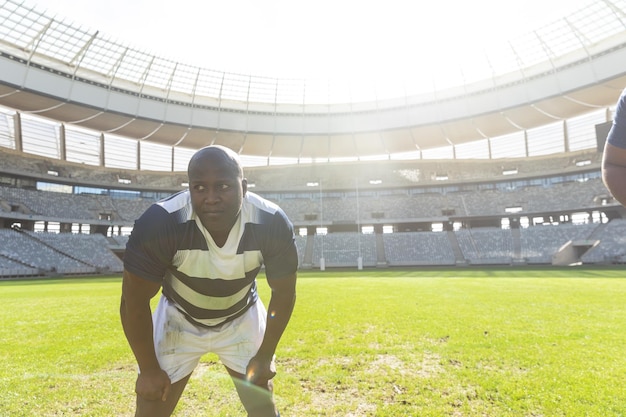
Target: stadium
point(92, 132)
point(459, 254)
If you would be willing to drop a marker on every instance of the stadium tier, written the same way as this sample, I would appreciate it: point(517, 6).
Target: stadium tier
point(499, 168)
point(78, 223)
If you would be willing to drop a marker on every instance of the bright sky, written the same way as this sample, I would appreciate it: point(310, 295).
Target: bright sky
point(298, 39)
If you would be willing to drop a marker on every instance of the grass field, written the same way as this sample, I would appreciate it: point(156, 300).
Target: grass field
point(439, 342)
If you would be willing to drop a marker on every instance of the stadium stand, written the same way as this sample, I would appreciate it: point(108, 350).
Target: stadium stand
point(612, 246)
point(402, 204)
point(540, 243)
point(486, 245)
point(40, 255)
point(68, 253)
point(94, 253)
point(343, 249)
point(529, 136)
point(91, 250)
point(418, 248)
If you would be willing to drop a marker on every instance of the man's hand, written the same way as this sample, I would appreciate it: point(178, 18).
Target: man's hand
point(153, 385)
point(260, 370)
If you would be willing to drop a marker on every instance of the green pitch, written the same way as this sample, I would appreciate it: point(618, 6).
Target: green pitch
point(425, 342)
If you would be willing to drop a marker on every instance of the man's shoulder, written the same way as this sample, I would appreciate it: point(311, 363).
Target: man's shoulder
point(173, 209)
point(176, 202)
point(264, 213)
point(260, 203)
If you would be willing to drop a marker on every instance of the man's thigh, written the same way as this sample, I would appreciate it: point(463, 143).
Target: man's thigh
point(239, 340)
point(179, 344)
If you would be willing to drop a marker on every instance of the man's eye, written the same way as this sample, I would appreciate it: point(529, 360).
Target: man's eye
point(224, 187)
point(199, 187)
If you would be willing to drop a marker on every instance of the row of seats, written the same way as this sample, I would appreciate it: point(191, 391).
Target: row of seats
point(343, 249)
point(490, 245)
point(90, 249)
point(538, 244)
point(418, 248)
point(13, 268)
point(486, 245)
point(67, 253)
point(405, 205)
point(396, 174)
point(50, 253)
point(402, 205)
point(612, 247)
point(70, 206)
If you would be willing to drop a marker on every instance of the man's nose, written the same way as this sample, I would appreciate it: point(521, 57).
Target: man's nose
point(211, 196)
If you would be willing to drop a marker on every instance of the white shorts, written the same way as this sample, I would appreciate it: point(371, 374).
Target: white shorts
point(180, 344)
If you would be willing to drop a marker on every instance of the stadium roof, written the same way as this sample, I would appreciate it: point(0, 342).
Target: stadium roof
point(78, 76)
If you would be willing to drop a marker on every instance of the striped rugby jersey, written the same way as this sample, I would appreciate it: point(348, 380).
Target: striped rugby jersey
point(209, 284)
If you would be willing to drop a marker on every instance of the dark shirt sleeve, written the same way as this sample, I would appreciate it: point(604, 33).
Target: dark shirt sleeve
point(617, 134)
point(150, 247)
point(280, 255)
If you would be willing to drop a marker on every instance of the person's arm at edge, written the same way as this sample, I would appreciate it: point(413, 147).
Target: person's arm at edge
point(614, 171)
point(279, 311)
point(136, 317)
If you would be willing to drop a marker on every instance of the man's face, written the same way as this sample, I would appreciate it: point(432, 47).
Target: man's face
point(217, 191)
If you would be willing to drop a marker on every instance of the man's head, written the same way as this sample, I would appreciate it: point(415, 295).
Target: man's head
point(217, 187)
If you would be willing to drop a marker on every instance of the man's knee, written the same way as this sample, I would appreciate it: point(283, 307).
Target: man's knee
point(257, 400)
point(161, 408)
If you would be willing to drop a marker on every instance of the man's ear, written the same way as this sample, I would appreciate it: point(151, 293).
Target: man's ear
point(244, 186)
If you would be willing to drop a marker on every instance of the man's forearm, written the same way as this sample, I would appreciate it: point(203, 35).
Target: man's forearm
point(614, 177)
point(137, 325)
point(278, 314)
point(614, 171)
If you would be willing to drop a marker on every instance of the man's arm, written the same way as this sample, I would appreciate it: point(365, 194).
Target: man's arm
point(279, 312)
point(614, 171)
point(136, 315)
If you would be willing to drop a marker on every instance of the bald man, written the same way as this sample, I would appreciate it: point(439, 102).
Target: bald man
point(204, 248)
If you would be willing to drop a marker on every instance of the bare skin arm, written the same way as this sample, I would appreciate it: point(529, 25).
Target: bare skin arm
point(279, 312)
point(614, 171)
point(152, 383)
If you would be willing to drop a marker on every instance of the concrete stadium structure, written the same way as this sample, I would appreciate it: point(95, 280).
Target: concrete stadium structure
point(484, 160)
